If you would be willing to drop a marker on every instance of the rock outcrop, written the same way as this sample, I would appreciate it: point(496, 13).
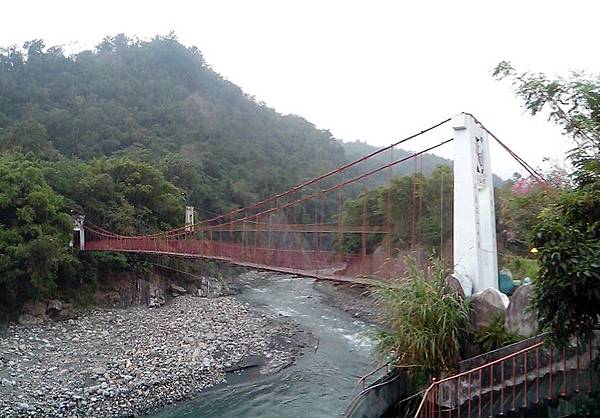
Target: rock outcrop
point(486, 307)
point(454, 286)
point(177, 290)
point(520, 320)
point(33, 313)
point(210, 287)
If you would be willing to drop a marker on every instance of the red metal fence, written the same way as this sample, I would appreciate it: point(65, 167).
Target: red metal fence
point(517, 381)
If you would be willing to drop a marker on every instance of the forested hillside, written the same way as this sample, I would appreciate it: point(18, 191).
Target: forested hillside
point(152, 100)
point(424, 164)
point(128, 134)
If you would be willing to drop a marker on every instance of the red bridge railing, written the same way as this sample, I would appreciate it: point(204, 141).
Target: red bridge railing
point(305, 230)
point(520, 380)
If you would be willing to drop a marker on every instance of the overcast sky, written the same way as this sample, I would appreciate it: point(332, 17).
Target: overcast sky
point(370, 70)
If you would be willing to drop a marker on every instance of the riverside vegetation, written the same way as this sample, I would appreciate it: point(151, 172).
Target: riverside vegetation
point(128, 134)
point(426, 322)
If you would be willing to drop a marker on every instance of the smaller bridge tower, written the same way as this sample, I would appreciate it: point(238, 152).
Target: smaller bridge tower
point(189, 219)
point(78, 230)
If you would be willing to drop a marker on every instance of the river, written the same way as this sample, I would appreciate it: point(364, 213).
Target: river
point(320, 384)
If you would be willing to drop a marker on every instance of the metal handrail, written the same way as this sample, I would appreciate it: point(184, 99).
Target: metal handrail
point(427, 402)
point(362, 379)
point(436, 383)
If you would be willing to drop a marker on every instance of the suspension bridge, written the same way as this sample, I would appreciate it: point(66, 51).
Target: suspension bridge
point(304, 230)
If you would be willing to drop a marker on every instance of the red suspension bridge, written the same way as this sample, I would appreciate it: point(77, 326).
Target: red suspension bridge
point(304, 230)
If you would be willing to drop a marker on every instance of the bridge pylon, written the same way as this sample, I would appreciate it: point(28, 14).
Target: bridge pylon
point(78, 228)
point(189, 219)
point(475, 250)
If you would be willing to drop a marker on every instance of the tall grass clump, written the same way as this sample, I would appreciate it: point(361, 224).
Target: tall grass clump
point(423, 321)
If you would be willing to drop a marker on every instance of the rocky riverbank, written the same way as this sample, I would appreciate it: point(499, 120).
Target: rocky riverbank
point(357, 300)
point(123, 362)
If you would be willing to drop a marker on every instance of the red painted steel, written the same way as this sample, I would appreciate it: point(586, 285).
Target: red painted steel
point(491, 408)
point(526, 373)
point(502, 384)
point(273, 234)
point(537, 375)
point(564, 362)
point(522, 372)
point(550, 387)
point(577, 367)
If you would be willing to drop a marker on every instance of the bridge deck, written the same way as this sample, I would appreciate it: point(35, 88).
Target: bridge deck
point(315, 274)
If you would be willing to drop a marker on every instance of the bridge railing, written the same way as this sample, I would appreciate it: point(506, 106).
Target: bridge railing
point(521, 379)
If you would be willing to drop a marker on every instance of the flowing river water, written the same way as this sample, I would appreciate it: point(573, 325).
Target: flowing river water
point(320, 384)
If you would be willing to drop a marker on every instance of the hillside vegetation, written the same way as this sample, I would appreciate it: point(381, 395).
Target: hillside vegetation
point(128, 134)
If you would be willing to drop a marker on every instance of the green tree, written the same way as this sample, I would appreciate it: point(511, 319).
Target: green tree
point(34, 233)
point(567, 293)
point(27, 136)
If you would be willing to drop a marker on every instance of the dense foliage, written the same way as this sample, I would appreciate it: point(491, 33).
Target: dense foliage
point(567, 294)
point(34, 232)
point(128, 134)
point(426, 198)
point(36, 201)
point(567, 235)
point(494, 336)
point(424, 321)
point(154, 98)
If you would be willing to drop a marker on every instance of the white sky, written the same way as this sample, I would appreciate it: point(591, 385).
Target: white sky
point(370, 70)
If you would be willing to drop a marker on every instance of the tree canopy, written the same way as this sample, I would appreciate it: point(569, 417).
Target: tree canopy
point(129, 133)
point(567, 233)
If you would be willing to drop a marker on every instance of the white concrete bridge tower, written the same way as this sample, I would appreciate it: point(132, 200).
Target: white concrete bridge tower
point(475, 251)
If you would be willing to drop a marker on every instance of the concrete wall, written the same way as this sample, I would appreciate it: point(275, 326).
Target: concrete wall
point(379, 397)
point(484, 358)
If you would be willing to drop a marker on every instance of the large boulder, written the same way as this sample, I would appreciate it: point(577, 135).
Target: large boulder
point(486, 307)
point(54, 307)
point(519, 319)
point(453, 285)
point(59, 310)
point(465, 282)
point(212, 287)
point(177, 290)
point(156, 297)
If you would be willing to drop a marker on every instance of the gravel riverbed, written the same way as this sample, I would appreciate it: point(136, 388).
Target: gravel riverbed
point(124, 362)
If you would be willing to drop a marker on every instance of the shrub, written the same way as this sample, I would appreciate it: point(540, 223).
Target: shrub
point(494, 336)
point(424, 322)
point(520, 267)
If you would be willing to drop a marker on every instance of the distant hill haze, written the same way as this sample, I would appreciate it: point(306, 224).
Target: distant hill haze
point(155, 100)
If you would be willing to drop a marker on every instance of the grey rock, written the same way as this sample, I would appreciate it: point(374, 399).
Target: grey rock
point(124, 362)
point(189, 341)
point(520, 320)
point(24, 406)
point(99, 370)
point(177, 290)
point(454, 286)
point(486, 307)
point(54, 307)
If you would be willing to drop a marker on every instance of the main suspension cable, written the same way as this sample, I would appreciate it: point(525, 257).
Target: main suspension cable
point(532, 171)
